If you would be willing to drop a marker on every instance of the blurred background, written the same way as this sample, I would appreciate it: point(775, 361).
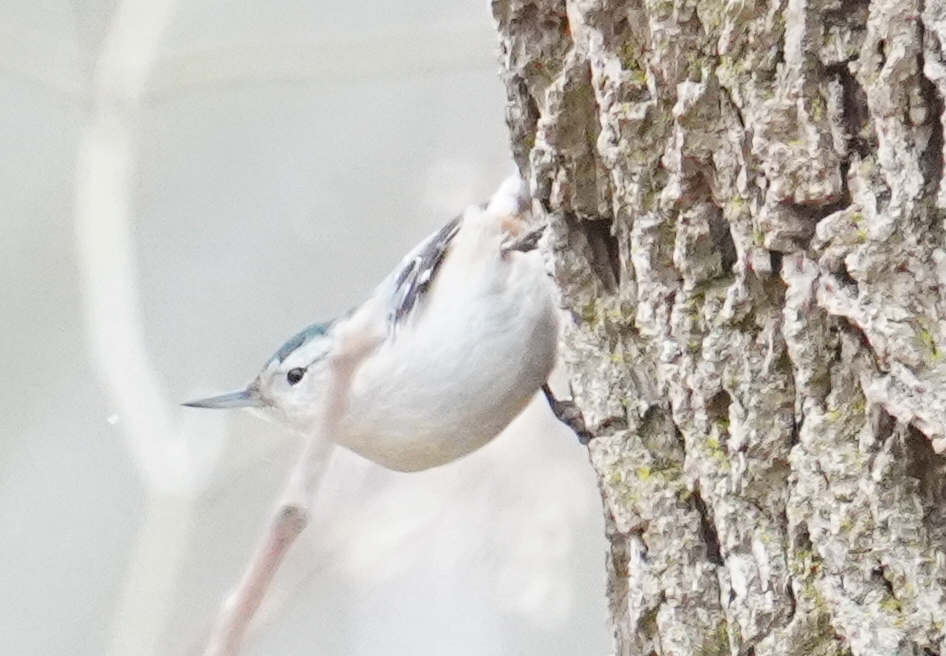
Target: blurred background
point(183, 185)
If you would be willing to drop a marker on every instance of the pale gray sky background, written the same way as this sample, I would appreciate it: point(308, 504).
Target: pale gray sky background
point(178, 195)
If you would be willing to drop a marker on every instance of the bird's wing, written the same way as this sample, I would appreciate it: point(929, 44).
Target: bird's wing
point(412, 279)
point(417, 271)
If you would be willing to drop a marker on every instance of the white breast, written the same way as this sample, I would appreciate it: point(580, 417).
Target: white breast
point(456, 374)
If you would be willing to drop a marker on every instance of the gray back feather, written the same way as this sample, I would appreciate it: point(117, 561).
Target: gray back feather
point(418, 270)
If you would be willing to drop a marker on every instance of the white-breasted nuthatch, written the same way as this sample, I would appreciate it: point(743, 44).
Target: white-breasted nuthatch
point(470, 334)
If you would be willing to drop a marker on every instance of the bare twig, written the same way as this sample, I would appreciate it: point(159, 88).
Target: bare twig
point(354, 339)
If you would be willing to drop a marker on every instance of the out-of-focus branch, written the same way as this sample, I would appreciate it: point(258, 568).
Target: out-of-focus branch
point(174, 459)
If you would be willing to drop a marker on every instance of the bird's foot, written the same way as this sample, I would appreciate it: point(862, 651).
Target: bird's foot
point(527, 242)
point(568, 412)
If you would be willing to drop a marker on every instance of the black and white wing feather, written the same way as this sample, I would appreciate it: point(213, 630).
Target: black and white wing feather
point(417, 272)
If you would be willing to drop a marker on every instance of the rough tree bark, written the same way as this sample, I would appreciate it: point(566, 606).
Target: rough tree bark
point(746, 209)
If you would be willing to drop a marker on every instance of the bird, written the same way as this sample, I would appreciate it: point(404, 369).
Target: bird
point(470, 335)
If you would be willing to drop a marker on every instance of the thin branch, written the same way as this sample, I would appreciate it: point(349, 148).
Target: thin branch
point(354, 339)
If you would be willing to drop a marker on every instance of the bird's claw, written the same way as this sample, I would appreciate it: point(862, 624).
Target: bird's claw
point(568, 412)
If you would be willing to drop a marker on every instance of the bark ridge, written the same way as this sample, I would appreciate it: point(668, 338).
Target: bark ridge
point(746, 205)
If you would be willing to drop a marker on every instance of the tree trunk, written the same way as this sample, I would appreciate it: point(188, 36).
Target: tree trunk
point(745, 204)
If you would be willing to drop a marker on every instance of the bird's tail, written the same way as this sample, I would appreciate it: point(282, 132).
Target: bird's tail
point(512, 204)
point(512, 198)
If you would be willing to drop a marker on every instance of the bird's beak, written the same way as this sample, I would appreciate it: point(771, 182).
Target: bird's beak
point(244, 398)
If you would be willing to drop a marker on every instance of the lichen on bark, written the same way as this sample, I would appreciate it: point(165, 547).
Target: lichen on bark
point(745, 204)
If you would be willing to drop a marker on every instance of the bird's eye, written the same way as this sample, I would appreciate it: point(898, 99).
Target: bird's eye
point(295, 375)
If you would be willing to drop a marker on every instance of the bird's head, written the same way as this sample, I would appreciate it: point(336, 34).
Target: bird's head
point(290, 383)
